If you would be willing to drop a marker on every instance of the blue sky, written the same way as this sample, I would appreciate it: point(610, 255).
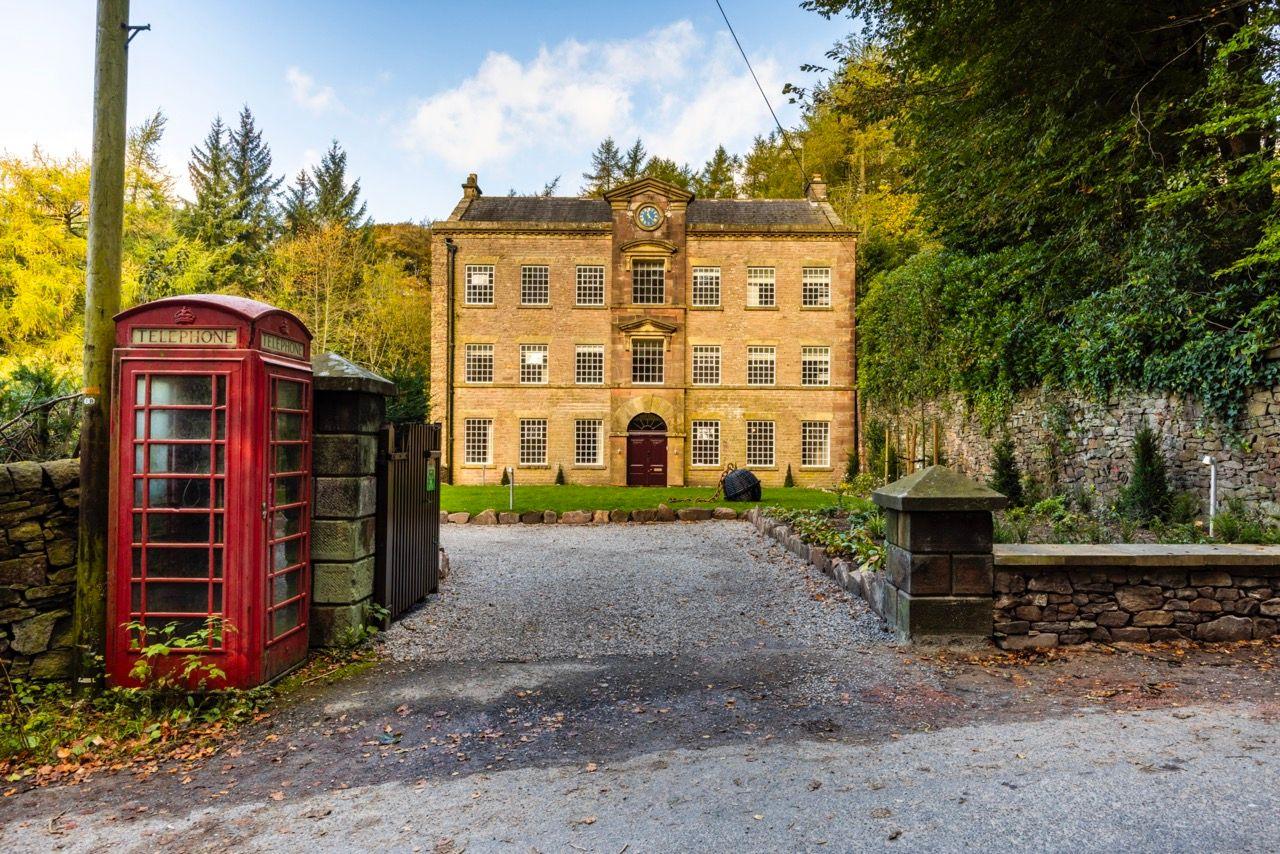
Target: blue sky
point(419, 93)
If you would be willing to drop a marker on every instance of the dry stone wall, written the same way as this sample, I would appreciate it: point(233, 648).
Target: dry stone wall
point(39, 509)
point(1077, 443)
point(1048, 596)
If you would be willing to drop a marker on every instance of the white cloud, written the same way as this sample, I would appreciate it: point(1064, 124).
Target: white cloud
point(679, 93)
point(308, 94)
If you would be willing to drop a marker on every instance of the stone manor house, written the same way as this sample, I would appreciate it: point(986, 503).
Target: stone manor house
point(645, 338)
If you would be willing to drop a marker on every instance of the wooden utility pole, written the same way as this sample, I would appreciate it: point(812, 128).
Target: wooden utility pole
point(102, 303)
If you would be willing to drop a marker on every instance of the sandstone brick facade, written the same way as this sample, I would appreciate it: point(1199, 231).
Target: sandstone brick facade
point(560, 236)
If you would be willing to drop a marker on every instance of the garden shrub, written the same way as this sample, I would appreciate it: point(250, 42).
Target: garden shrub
point(1184, 508)
point(559, 475)
point(1005, 476)
point(1146, 496)
point(789, 481)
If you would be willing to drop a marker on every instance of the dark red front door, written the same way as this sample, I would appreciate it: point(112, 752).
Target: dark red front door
point(646, 459)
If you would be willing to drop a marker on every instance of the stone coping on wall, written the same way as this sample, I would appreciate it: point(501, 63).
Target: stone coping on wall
point(662, 513)
point(1136, 555)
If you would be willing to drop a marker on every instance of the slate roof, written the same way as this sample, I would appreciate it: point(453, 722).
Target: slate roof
point(725, 212)
point(536, 209)
point(755, 212)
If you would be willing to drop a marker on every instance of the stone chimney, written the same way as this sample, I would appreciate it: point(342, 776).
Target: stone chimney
point(814, 191)
point(471, 189)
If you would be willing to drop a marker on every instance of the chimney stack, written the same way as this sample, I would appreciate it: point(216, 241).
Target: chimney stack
point(471, 189)
point(814, 191)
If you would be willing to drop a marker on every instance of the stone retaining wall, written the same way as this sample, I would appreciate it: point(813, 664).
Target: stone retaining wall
point(1054, 595)
point(1070, 442)
point(39, 510)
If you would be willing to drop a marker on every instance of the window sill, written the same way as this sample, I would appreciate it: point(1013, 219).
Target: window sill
point(534, 385)
point(762, 468)
point(535, 305)
point(478, 305)
point(589, 467)
point(706, 308)
point(704, 466)
point(816, 308)
point(817, 468)
point(760, 307)
point(520, 466)
point(592, 306)
point(762, 385)
point(479, 466)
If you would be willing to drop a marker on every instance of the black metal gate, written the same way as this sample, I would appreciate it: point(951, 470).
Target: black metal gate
point(408, 563)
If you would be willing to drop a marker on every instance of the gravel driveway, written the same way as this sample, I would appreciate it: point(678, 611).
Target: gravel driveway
point(689, 687)
point(524, 593)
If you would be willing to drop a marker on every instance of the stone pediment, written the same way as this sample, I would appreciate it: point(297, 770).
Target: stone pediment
point(648, 246)
point(649, 185)
point(647, 326)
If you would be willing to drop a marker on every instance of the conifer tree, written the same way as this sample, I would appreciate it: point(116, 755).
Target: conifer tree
point(718, 178)
point(606, 169)
point(634, 160)
point(253, 186)
point(336, 202)
point(214, 217)
point(1146, 497)
point(1005, 477)
point(299, 206)
point(665, 169)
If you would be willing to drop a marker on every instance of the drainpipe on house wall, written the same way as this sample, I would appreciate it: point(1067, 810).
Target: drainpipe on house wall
point(451, 251)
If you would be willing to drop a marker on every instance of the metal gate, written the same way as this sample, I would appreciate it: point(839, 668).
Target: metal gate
point(408, 562)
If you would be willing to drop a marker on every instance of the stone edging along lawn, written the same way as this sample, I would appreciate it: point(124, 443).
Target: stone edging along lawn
point(662, 513)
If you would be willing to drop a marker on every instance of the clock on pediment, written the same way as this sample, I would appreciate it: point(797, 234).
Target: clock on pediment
point(648, 217)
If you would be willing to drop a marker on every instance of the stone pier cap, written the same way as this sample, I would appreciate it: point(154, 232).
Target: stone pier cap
point(937, 488)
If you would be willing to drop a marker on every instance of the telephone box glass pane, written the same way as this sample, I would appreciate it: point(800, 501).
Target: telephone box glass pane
point(286, 554)
point(288, 426)
point(165, 562)
point(286, 522)
point(288, 458)
point(286, 586)
point(288, 490)
point(180, 424)
point(175, 492)
point(177, 597)
point(181, 390)
point(178, 527)
point(289, 395)
point(284, 619)
point(192, 459)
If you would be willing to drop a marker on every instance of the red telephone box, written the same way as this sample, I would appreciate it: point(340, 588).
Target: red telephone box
point(211, 486)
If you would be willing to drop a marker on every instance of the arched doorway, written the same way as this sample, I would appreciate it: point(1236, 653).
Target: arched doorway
point(647, 450)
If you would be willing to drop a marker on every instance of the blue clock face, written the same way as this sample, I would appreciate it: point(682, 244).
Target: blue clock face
point(648, 216)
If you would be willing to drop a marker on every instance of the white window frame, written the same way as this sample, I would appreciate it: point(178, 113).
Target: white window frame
point(645, 287)
point(706, 287)
point(590, 281)
point(656, 349)
point(588, 435)
point(588, 371)
point(815, 366)
point(815, 444)
point(761, 444)
point(815, 287)
point(705, 444)
point(533, 441)
point(762, 287)
point(762, 366)
point(535, 282)
point(534, 371)
point(473, 363)
point(477, 435)
point(478, 284)
point(705, 365)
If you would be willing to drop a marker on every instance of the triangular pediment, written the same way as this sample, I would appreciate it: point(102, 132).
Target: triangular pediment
point(647, 325)
point(646, 185)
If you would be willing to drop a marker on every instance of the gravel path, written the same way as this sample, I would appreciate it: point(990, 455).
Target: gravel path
point(523, 593)
point(691, 687)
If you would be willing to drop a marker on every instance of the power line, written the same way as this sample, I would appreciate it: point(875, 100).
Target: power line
point(785, 139)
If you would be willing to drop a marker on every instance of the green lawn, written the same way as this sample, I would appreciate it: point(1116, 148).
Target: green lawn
point(473, 499)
